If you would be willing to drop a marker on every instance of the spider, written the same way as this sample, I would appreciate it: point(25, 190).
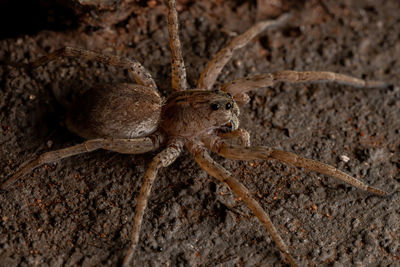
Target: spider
point(135, 119)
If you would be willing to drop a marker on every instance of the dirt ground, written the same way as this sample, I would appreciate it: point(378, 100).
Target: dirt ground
point(78, 212)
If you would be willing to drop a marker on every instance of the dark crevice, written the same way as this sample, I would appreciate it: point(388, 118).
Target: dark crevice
point(19, 17)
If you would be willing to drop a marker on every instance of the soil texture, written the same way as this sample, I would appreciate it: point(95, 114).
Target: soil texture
point(79, 211)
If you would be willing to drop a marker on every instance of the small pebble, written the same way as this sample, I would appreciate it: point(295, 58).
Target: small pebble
point(49, 143)
point(344, 158)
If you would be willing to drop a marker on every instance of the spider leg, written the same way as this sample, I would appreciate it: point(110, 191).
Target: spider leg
point(239, 87)
point(240, 153)
point(140, 74)
point(214, 169)
point(179, 82)
point(129, 146)
point(240, 134)
point(214, 67)
point(163, 159)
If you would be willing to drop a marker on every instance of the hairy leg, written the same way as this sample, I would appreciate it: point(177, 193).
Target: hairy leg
point(140, 74)
point(179, 82)
point(214, 169)
point(240, 86)
point(129, 146)
point(240, 134)
point(163, 159)
point(265, 153)
point(214, 67)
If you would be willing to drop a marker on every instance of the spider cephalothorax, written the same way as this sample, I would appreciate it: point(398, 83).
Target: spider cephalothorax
point(133, 119)
point(199, 112)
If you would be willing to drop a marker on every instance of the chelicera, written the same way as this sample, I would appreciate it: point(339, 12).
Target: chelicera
point(135, 119)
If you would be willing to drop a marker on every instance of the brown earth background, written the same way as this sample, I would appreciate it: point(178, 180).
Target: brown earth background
point(78, 212)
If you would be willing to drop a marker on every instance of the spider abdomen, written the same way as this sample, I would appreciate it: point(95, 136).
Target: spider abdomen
point(116, 111)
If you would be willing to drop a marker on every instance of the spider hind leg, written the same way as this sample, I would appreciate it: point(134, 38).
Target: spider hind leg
point(127, 146)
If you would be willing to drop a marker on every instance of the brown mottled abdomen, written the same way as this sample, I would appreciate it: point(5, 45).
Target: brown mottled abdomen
point(116, 111)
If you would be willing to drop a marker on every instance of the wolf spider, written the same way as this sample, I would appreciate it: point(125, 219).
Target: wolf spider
point(134, 119)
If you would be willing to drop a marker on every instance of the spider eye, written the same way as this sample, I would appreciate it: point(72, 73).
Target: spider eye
point(215, 106)
point(228, 106)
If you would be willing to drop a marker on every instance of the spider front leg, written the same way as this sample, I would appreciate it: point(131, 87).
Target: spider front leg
point(140, 74)
point(163, 159)
point(241, 134)
point(239, 87)
point(178, 80)
point(265, 153)
point(128, 146)
point(214, 67)
point(217, 171)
